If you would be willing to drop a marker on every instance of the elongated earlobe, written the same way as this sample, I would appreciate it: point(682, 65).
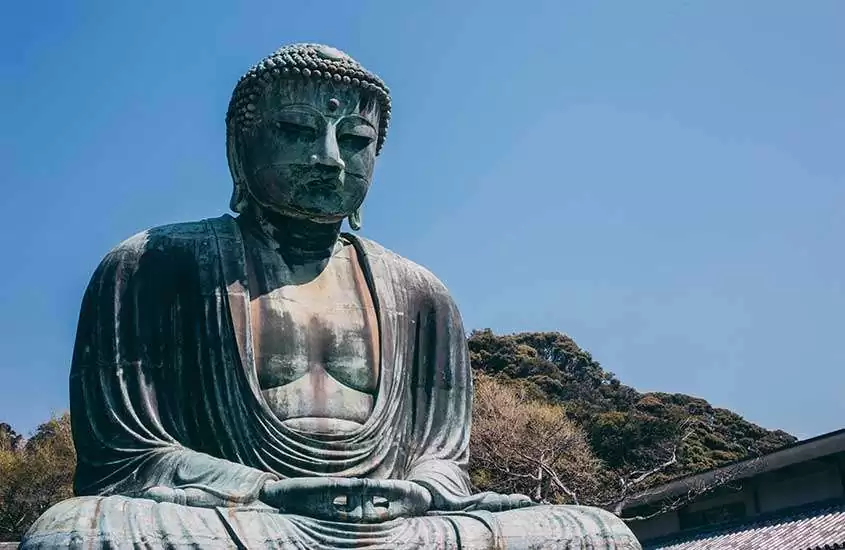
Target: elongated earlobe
point(239, 199)
point(355, 220)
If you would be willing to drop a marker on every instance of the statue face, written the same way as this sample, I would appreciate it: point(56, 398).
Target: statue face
point(311, 150)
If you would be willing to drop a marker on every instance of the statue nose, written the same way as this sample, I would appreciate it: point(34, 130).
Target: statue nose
point(328, 162)
point(328, 154)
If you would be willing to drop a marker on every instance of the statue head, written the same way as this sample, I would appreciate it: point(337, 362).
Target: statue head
point(303, 129)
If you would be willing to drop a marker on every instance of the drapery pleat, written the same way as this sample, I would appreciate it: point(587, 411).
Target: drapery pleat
point(164, 392)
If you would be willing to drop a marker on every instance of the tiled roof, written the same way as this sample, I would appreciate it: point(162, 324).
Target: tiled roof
point(811, 529)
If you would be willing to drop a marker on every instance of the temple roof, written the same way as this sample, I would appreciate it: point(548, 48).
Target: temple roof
point(816, 527)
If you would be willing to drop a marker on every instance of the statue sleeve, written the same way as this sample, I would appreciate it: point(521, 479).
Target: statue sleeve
point(134, 383)
point(442, 387)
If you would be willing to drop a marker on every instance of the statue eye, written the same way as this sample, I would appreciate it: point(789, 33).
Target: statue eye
point(356, 138)
point(352, 141)
point(295, 130)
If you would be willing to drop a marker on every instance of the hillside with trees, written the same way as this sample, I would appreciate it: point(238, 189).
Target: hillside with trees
point(625, 439)
point(548, 422)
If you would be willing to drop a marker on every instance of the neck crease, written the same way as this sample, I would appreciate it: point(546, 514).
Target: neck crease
point(300, 242)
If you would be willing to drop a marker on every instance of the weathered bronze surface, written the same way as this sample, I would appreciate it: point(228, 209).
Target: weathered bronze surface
point(267, 381)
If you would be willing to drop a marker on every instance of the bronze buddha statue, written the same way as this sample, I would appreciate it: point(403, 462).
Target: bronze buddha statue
point(267, 381)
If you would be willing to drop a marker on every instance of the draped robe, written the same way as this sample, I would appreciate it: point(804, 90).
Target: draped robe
point(175, 441)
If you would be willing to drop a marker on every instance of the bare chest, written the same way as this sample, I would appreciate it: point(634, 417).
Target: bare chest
point(298, 330)
point(316, 344)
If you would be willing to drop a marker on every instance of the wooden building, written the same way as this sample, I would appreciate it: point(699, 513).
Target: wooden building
point(793, 498)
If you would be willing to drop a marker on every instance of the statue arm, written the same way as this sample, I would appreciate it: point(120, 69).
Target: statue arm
point(444, 392)
point(445, 386)
point(132, 386)
point(445, 479)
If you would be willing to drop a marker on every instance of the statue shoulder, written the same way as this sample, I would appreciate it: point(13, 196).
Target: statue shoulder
point(167, 252)
point(175, 237)
point(414, 273)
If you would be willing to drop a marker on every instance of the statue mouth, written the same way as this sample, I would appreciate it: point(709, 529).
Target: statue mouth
point(319, 196)
point(328, 184)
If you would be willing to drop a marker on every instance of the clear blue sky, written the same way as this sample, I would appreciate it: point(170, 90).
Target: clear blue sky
point(664, 181)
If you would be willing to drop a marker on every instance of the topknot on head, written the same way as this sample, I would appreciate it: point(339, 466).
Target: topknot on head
point(306, 61)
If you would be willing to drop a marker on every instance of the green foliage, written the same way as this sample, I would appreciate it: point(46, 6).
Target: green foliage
point(628, 430)
point(10, 440)
point(34, 474)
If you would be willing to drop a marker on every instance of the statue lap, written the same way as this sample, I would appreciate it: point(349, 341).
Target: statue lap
point(123, 522)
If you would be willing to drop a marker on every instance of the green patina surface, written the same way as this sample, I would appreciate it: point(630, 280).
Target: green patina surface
point(266, 381)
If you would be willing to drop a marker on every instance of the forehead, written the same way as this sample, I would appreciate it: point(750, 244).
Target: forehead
point(328, 97)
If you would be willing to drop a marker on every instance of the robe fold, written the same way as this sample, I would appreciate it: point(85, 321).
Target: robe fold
point(164, 389)
point(170, 423)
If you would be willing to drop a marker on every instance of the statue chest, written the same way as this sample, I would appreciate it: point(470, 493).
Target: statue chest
point(316, 349)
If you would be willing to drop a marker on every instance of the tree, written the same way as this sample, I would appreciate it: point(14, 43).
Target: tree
point(520, 445)
point(639, 440)
point(35, 475)
point(10, 440)
point(628, 430)
point(618, 486)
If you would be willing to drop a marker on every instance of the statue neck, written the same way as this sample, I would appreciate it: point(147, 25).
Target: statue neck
point(301, 242)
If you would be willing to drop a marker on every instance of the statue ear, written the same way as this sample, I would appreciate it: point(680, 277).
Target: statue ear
point(239, 193)
point(239, 198)
point(355, 219)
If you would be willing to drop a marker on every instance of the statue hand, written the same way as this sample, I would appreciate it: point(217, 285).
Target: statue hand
point(388, 499)
point(350, 500)
point(189, 496)
point(492, 502)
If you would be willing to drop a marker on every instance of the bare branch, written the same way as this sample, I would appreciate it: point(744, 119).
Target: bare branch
point(571, 494)
point(659, 468)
